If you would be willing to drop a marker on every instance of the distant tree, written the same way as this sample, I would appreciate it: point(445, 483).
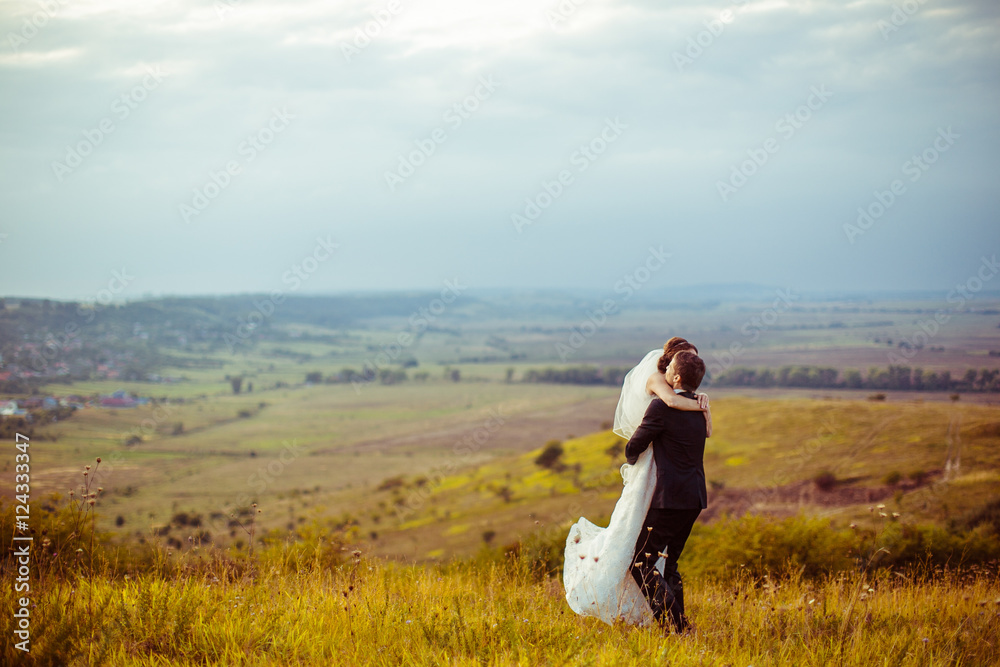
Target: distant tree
point(456, 375)
point(988, 379)
point(899, 377)
point(236, 383)
point(852, 379)
point(315, 377)
point(969, 381)
point(550, 456)
point(249, 387)
point(391, 375)
point(825, 480)
point(509, 375)
point(932, 381)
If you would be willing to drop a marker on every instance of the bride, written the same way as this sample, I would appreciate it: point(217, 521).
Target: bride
point(596, 572)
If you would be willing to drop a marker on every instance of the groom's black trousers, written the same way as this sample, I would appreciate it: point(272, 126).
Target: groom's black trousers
point(664, 531)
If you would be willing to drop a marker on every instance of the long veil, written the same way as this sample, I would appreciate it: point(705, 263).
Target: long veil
point(596, 571)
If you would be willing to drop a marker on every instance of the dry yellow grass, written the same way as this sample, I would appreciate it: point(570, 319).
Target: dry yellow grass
point(372, 613)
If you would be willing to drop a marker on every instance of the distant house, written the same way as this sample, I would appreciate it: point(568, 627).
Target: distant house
point(10, 409)
point(118, 402)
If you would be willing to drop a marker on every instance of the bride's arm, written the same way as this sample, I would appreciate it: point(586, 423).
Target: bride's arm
point(657, 384)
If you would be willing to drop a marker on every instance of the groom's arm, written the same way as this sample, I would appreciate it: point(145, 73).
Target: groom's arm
point(653, 423)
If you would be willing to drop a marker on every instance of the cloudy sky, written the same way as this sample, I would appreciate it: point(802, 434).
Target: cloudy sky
point(213, 146)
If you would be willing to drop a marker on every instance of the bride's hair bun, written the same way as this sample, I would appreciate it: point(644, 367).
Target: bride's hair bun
point(670, 348)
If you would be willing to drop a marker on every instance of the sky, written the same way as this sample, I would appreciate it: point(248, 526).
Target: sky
point(231, 146)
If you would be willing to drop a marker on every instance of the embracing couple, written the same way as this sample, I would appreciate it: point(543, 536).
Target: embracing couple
point(628, 571)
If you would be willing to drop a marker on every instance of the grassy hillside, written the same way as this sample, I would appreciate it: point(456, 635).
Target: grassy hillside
point(765, 456)
point(365, 612)
point(791, 590)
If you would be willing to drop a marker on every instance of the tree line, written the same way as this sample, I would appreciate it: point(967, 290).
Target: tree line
point(902, 378)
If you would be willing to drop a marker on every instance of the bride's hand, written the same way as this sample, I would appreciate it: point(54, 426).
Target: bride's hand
point(702, 401)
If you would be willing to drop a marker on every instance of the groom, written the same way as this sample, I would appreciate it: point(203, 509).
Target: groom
point(678, 440)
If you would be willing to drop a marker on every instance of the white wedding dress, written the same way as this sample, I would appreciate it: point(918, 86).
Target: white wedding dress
point(596, 572)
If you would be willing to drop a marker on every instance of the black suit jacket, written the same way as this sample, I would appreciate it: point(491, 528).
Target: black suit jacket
point(678, 439)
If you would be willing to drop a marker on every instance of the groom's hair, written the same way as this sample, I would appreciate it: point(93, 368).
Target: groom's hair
point(670, 348)
point(691, 369)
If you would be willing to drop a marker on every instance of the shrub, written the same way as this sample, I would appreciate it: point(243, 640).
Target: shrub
point(825, 480)
point(392, 483)
point(812, 548)
point(893, 478)
point(988, 514)
point(549, 458)
point(933, 545)
point(760, 545)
